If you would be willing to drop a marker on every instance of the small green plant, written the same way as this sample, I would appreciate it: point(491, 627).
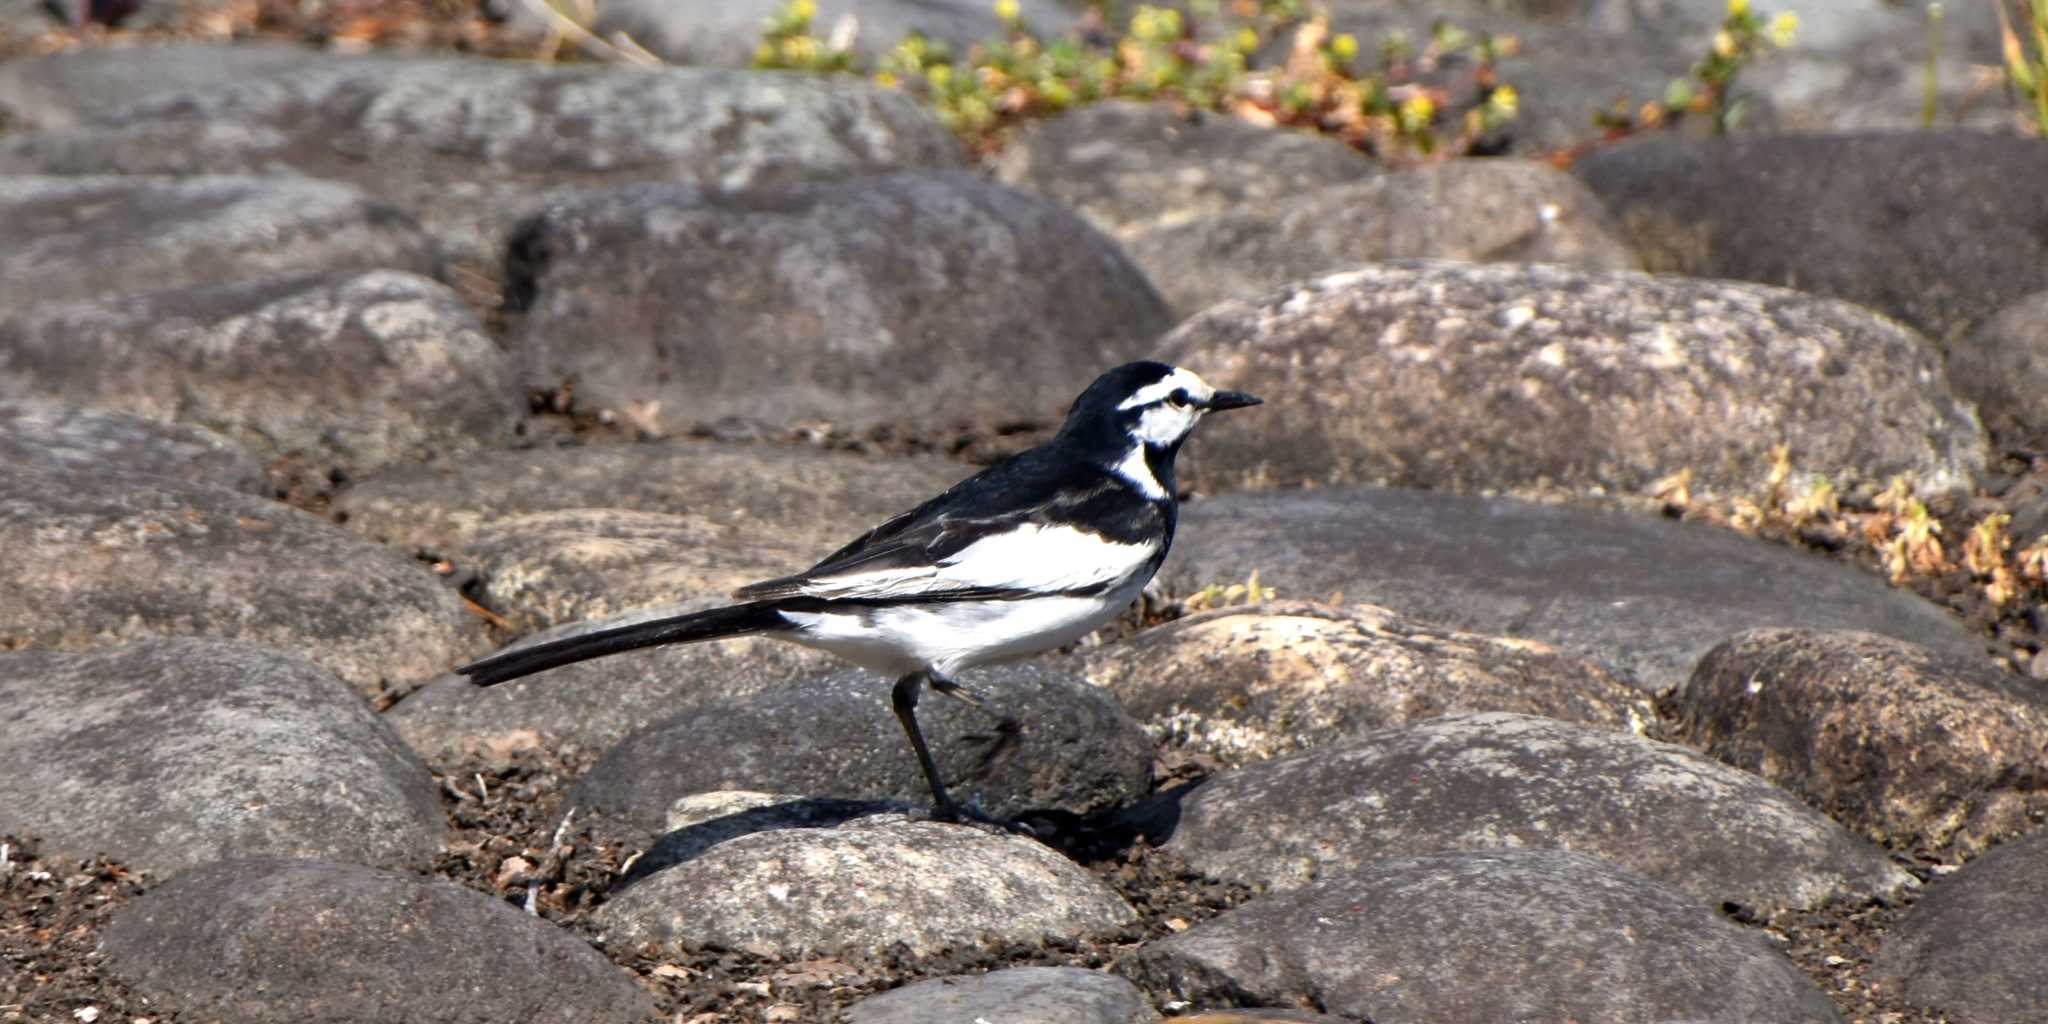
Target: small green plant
point(788, 45)
point(1893, 528)
point(1217, 595)
point(1163, 54)
point(1744, 37)
point(2025, 50)
point(1930, 88)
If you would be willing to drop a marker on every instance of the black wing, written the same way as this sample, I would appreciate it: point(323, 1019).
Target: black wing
point(902, 557)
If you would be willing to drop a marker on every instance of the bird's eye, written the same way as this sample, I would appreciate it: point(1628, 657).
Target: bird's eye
point(1179, 400)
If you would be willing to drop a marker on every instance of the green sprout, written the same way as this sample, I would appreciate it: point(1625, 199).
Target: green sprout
point(1743, 38)
point(1161, 54)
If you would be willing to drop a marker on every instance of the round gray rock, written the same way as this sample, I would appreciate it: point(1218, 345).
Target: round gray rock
point(1495, 779)
point(168, 753)
point(96, 557)
point(726, 34)
point(1246, 683)
point(1471, 377)
point(1646, 597)
point(545, 568)
point(54, 435)
point(471, 145)
point(595, 704)
point(274, 941)
point(1043, 995)
point(804, 494)
point(1959, 948)
point(837, 302)
point(422, 376)
point(1995, 364)
point(835, 736)
point(1128, 165)
point(1957, 243)
point(1501, 210)
point(75, 238)
point(1483, 937)
point(1922, 752)
point(866, 886)
point(70, 86)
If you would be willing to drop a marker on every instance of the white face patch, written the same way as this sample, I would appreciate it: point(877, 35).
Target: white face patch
point(1162, 425)
point(1177, 380)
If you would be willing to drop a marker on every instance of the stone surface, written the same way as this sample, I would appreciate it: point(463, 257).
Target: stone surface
point(726, 34)
point(471, 145)
point(1246, 683)
point(1465, 377)
point(1501, 210)
point(99, 557)
point(835, 736)
point(1995, 366)
point(1044, 995)
point(546, 568)
point(561, 534)
point(56, 436)
point(168, 753)
point(1643, 596)
point(1127, 166)
point(273, 940)
point(1489, 780)
point(595, 704)
point(364, 368)
point(700, 821)
point(82, 84)
point(832, 302)
point(1482, 937)
point(804, 494)
point(1258, 1016)
point(866, 885)
point(1961, 947)
point(1923, 226)
point(96, 236)
point(1928, 754)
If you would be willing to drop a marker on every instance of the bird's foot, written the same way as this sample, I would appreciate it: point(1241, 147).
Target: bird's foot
point(955, 812)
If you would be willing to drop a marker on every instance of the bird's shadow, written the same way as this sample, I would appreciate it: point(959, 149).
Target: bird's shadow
point(691, 841)
point(1086, 839)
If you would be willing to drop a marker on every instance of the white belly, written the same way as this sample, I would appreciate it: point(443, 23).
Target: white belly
point(952, 636)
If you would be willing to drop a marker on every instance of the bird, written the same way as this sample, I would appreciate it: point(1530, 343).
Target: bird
point(1023, 557)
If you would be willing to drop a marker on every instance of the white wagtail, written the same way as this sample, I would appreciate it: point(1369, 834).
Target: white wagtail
point(1025, 556)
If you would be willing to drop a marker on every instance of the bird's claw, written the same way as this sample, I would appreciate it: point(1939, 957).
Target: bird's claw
point(958, 813)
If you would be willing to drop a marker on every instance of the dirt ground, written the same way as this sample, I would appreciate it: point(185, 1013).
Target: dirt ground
point(504, 841)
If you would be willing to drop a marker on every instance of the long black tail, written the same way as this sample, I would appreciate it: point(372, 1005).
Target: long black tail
point(737, 620)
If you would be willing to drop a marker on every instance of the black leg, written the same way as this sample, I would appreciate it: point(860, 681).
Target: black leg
point(904, 699)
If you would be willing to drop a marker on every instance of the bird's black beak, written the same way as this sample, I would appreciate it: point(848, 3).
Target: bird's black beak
point(1230, 400)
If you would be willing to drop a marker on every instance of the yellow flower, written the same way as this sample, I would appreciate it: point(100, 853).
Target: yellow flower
point(1505, 100)
point(1006, 11)
point(1782, 28)
point(1738, 8)
point(1345, 46)
point(1416, 112)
